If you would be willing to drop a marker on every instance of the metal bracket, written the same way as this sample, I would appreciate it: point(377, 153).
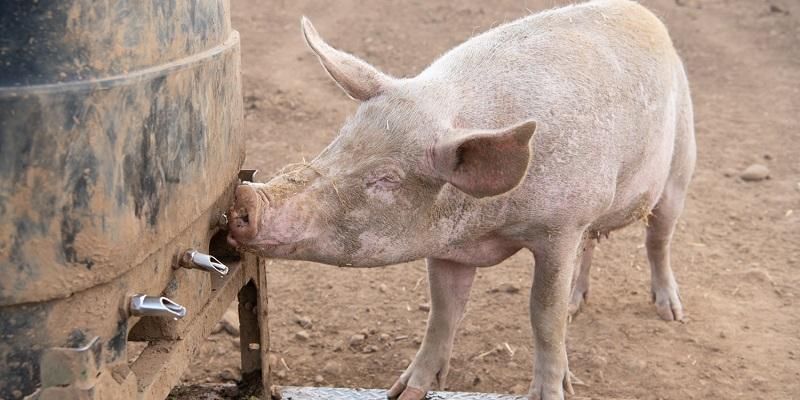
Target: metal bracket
point(247, 175)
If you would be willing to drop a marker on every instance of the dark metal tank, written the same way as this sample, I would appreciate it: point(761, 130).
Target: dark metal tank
point(120, 144)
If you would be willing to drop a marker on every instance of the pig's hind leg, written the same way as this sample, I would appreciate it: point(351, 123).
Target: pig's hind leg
point(450, 284)
point(661, 226)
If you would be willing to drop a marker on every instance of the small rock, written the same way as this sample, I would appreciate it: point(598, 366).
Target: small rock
point(758, 381)
point(729, 172)
point(228, 375)
point(598, 376)
point(281, 374)
point(319, 379)
point(775, 9)
point(302, 336)
point(370, 349)
point(519, 389)
point(230, 322)
point(383, 288)
point(304, 321)
point(688, 3)
point(384, 337)
point(506, 288)
point(758, 274)
point(754, 173)
point(332, 368)
point(357, 340)
point(424, 307)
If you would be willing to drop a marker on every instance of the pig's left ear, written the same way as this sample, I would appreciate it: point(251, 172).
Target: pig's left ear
point(484, 163)
point(358, 79)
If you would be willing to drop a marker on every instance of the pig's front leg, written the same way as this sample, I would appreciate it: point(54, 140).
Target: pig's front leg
point(555, 260)
point(450, 284)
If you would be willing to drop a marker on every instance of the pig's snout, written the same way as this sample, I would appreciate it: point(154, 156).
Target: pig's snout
point(244, 216)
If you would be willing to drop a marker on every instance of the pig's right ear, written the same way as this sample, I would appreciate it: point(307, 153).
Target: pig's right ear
point(486, 162)
point(358, 79)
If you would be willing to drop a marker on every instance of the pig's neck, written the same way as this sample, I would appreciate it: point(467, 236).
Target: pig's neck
point(458, 220)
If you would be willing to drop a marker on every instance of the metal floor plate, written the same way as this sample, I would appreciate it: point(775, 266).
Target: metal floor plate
point(320, 393)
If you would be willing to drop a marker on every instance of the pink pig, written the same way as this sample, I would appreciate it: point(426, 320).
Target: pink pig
point(540, 134)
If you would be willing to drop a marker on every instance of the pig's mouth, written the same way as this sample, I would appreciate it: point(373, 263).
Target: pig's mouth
point(266, 247)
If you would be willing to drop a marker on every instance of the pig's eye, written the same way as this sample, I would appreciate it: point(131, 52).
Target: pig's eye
point(384, 181)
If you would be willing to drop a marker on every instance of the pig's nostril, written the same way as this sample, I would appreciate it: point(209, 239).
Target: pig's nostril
point(243, 216)
point(241, 223)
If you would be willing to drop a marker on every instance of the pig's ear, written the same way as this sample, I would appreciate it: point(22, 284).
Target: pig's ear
point(358, 79)
point(484, 163)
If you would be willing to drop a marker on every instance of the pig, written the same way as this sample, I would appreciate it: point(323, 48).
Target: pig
point(543, 134)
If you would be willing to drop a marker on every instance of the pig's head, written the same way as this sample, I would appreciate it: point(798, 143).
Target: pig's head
point(395, 184)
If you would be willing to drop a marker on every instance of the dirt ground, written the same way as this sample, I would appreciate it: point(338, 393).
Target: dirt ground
point(736, 254)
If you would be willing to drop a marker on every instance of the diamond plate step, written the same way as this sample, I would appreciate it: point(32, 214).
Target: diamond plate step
point(320, 393)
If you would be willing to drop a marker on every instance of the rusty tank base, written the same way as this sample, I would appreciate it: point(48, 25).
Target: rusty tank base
point(81, 374)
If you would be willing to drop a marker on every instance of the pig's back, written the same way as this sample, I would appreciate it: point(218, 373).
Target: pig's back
point(601, 79)
point(577, 60)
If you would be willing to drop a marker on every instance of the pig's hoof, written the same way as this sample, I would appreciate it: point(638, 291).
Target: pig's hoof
point(400, 391)
point(576, 302)
point(668, 303)
point(415, 382)
point(554, 391)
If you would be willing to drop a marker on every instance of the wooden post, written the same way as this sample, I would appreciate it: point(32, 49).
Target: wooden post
point(253, 325)
point(249, 335)
point(263, 323)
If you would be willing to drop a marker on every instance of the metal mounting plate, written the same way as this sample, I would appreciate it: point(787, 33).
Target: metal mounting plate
point(320, 393)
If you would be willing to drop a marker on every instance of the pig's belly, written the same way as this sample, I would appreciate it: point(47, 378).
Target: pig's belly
point(483, 252)
point(637, 194)
point(626, 211)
